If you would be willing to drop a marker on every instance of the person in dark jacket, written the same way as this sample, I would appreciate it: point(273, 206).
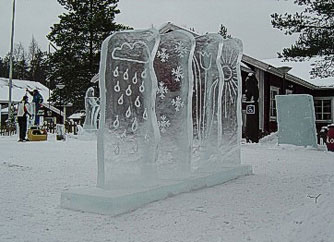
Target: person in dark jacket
point(37, 100)
point(252, 118)
point(22, 112)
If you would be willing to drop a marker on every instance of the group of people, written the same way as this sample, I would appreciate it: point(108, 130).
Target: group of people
point(24, 110)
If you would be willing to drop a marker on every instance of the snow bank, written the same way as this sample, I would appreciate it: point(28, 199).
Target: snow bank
point(271, 205)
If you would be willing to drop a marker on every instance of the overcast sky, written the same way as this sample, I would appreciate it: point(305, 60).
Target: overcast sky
point(248, 20)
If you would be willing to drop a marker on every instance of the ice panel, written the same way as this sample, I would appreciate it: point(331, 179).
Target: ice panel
point(173, 67)
point(231, 101)
point(296, 120)
point(128, 136)
point(207, 100)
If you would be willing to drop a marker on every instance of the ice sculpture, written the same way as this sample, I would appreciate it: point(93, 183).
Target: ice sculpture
point(92, 110)
point(138, 111)
point(207, 100)
point(231, 101)
point(296, 120)
point(128, 135)
point(173, 67)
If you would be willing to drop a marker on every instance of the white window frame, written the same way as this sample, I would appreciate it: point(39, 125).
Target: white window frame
point(288, 91)
point(331, 99)
point(272, 101)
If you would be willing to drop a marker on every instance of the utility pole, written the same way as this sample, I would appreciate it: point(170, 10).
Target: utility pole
point(11, 64)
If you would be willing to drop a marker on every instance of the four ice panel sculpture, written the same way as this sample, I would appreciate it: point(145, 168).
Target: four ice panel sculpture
point(170, 119)
point(169, 106)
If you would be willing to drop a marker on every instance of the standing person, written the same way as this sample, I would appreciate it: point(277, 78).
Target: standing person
point(22, 112)
point(252, 108)
point(37, 99)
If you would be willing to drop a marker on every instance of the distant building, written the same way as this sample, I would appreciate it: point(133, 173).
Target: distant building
point(48, 111)
point(277, 77)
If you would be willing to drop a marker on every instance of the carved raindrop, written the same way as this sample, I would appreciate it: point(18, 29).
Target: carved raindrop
point(144, 74)
point(128, 91)
point(126, 75)
point(147, 138)
point(116, 122)
point(120, 100)
point(135, 79)
point(142, 88)
point(135, 147)
point(134, 126)
point(117, 88)
point(145, 116)
point(128, 112)
point(117, 149)
point(116, 73)
point(137, 102)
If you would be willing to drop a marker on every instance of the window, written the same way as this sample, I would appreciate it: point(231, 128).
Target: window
point(273, 92)
point(323, 110)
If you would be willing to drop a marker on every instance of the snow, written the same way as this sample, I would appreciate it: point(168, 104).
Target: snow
point(4, 111)
point(301, 69)
point(19, 89)
point(274, 204)
point(77, 115)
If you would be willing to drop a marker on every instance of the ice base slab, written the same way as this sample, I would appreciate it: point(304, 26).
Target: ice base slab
point(118, 201)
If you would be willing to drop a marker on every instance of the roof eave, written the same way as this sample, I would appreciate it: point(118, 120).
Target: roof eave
point(261, 65)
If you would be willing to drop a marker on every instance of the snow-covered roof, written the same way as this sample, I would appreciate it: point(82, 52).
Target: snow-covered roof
point(301, 69)
point(169, 26)
point(19, 89)
point(76, 115)
point(4, 110)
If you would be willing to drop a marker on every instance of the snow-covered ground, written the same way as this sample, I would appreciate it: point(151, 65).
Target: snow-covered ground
point(274, 204)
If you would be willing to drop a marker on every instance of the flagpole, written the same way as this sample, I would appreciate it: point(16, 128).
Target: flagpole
point(11, 64)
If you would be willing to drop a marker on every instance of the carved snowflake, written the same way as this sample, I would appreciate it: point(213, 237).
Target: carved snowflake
point(163, 55)
point(180, 49)
point(177, 103)
point(178, 73)
point(162, 90)
point(163, 124)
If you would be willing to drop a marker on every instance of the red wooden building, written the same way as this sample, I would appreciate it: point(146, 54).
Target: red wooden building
point(277, 77)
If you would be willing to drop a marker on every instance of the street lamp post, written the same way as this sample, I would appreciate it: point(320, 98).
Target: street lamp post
point(11, 64)
point(60, 87)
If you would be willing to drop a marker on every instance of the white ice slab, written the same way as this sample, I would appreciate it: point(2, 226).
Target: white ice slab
point(118, 201)
point(296, 120)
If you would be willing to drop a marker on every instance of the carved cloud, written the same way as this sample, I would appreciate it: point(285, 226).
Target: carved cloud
point(137, 52)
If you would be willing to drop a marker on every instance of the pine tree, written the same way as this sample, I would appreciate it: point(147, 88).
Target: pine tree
point(78, 37)
point(2, 67)
point(223, 32)
point(20, 62)
point(315, 26)
point(21, 69)
point(37, 63)
point(38, 67)
point(4, 71)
